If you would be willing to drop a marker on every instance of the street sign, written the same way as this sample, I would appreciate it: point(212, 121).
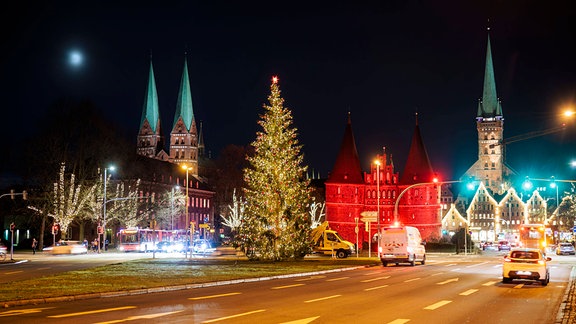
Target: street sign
point(369, 216)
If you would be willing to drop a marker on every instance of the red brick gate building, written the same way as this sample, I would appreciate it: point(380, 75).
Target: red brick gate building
point(350, 192)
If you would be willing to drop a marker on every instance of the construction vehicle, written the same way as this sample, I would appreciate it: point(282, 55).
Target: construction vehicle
point(328, 242)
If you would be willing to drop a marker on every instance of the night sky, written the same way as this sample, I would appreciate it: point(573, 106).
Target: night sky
point(382, 61)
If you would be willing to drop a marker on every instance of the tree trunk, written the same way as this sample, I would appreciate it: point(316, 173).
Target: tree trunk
point(41, 235)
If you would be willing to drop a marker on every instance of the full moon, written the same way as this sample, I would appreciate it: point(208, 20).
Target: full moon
point(75, 58)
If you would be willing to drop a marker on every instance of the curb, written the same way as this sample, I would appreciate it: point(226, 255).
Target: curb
point(48, 300)
point(565, 314)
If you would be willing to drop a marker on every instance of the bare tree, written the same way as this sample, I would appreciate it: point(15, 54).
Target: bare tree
point(69, 199)
point(169, 204)
point(234, 219)
point(316, 213)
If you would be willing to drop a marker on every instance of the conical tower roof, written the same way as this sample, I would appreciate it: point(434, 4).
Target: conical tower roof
point(347, 167)
point(418, 167)
point(184, 107)
point(151, 110)
point(489, 106)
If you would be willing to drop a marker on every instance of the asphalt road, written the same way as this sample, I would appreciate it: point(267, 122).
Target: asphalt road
point(448, 289)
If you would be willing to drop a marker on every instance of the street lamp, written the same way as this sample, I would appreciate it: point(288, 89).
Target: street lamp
point(553, 185)
point(172, 207)
point(415, 185)
point(111, 168)
point(187, 168)
point(377, 162)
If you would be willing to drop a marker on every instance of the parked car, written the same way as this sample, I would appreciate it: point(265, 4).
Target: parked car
point(526, 264)
point(565, 248)
point(67, 247)
point(504, 246)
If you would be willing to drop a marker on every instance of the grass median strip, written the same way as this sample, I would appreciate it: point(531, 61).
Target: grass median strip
point(150, 273)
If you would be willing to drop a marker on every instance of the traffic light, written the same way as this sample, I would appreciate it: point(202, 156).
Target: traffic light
point(527, 184)
point(24, 195)
point(55, 229)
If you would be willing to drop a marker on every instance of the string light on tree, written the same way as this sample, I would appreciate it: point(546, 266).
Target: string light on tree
point(276, 223)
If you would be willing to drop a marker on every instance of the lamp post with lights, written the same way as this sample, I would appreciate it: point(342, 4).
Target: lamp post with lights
point(377, 162)
point(435, 181)
point(111, 168)
point(187, 168)
point(172, 208)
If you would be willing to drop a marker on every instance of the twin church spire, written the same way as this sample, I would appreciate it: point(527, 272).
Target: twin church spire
point(183, 136)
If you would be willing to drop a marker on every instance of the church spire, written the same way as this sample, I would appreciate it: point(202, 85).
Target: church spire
point(347, 167)
point(150, 138)
point(184, 107)
point(151, 110)
point(489, 106)
point(184, 135)
point(418, 167)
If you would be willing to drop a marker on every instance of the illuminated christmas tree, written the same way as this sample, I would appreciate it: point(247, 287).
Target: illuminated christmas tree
point(276, 224)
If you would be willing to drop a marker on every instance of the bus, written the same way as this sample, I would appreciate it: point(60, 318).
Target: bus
point(136, 239)
point(534, 236)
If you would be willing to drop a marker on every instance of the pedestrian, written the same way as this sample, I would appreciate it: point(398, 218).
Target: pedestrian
point(95, 245)
point(34, 245)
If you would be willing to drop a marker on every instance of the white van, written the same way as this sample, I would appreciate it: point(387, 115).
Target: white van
point(401, 245)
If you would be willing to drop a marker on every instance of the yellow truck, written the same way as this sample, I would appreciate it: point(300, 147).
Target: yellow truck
point(328, 242)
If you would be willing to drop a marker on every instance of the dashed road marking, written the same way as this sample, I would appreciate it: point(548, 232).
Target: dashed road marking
point(438, 305)
point(214, 296)
point(234, 316)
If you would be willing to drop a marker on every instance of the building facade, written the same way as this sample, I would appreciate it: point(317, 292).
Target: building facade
point(186, 145)
point(357, 203)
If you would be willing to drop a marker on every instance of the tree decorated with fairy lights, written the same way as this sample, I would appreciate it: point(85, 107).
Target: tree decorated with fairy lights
point(276, 225)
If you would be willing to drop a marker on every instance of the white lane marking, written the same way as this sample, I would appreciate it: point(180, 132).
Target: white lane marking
point(489, 283)
point(374, 279)
point(320, 299)
point(374, 288)
point(288, 286)
point(447, 281)
point(234, 316)
point(214, 296)
point(475, 265)
point(303, 321)
point(468, 292)
point(438, 304)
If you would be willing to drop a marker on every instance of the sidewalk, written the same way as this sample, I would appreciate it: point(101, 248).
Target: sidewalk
point(567, 310)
